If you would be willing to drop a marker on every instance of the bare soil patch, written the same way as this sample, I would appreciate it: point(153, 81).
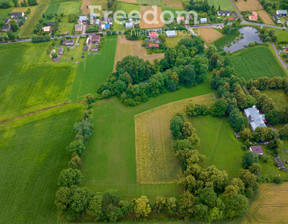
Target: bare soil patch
point(150, 17)
point(208, 34)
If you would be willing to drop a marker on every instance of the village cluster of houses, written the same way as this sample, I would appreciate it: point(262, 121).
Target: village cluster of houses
point(231, 16)
point(18, 16)
point(256, 119)
point(278, 15)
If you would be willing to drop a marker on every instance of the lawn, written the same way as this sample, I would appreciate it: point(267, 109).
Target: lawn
point(29, 83)
point(282, 35)
point(155, 156)
point(109, 161)
point(77, 52)
point(65, 26)
point(32, 156)
point(263, 64)
point(127, 8)
point(95, 70)
point(52, 8)
point(224, 4)
point(173, 41)
point(219, 144)
point(278, 97)
point(4, 13)
point(70, 7)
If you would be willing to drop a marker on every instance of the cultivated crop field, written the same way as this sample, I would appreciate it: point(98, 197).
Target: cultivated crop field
point(155, 157)
point(110, 159)
point(32, 154)
point(209, 34)
point(177, 4)
point(128, 47)
point(263, 64)
point(249, 5)
point(94, 70)
point(29, 83)
point(265, 17)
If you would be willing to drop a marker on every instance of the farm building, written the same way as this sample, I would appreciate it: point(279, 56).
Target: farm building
point(60, 51)
point(257, 149)
point(254, 16)
point(6, 28)
point(68, 42)
point(152, 45)
point(171, 33)
point(47, 29)
point(223, 13)
point(17, 14)
point(6, 20)
point(94, 49)
point(128, 25)
point(83, 19)
point(281, 12)
point(255, 118)
point(78, 28)
point(280, 163)
point(203, 20)
point(50, 23)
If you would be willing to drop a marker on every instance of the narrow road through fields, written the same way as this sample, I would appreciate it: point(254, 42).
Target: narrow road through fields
point(38, 111)
point(237, 11)
point(277, 54)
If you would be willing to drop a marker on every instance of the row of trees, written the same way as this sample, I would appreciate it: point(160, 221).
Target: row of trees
point(208, 195)
point(136, 80)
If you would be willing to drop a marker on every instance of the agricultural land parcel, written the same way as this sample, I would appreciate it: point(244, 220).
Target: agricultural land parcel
point(95, 70)
point(263, 64)
point(177, 4)
point(265, 17)
point(109, 161)
point(224, 4)
point(127, 47)
point(29, 83)
point(209, 34)
point(173, 41)
point(155, 157)
point(32, 154)
point(150, 17)
point(249, 5)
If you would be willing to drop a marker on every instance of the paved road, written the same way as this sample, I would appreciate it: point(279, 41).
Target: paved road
point(237, 11)
point(280, 59)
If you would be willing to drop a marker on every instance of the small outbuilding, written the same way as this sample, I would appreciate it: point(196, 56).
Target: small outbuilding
point(128, 25)
point(171, 33)
point(61, 51)
point(47, 29)
point(6, 21)
point(5, 28)
point(280, 163)
point(203, 20)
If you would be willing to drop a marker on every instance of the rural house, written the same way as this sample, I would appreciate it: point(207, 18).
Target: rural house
point(68, 42)
point(6, 28)
point(6, 20)
point(223, 13)
point(171, 33)
point(95, 39)
point(254, 16)
point(255, 118)
point(128, 25)
point(180, 19)
point(257, 149)
point(17, 14)
point(280, 163)
point(94, 49)
point(152, 45)
point(78, 28)
point(203, 20)
point(83, 19)
point(153, 35)
point(47, 29)
point(52, 23)
point(281, 12)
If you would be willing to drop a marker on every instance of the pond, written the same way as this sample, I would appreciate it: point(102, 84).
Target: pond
point(248, 34)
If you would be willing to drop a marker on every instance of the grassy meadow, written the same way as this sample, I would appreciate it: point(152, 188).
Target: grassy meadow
point(256, 62)
point(109, 161)
point(95, 70)
point(224, 4)
point(29, 82)
point(227, 38)
point(278, 97)
point(32, 154)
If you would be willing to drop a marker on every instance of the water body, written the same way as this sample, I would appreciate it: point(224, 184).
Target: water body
point(249, 34)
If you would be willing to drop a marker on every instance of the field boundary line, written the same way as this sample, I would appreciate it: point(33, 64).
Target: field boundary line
point(39, 111)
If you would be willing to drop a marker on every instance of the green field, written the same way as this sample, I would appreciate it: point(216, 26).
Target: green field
point(256, 62)
point(224, 4)
point(95, 70)
point(226, 39)
point(278, 97)
point(109, 161)
point(219, 144)
point(52, 8)
point(69, 7)
point(32, 154)
point(28, 83)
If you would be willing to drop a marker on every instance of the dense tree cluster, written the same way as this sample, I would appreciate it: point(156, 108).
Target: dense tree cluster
point(208, 195)
point(136, 80)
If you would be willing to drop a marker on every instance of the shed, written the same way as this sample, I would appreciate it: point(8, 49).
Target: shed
point(7, 20)
point(60, 51)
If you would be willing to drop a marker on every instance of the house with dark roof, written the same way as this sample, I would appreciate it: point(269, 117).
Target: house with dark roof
point(280, 163)
point(50, 23)
point(223, 13)
point(7, 20)
point(61, 51)
point(95, 39)
point(17, 14)
point(257, 149)
point(281, 12)
point(5, 28)
point(255, 118)
point(68, 42)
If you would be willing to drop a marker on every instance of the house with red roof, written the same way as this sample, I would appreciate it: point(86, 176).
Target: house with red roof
point(152, 45)
point(254, 16)
point(153, 35)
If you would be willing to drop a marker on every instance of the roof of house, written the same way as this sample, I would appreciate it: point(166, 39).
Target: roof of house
point(230, 18)
point(203, 19)
point(154, 45)
point(180, 18)
point(254, 13)
point(171, 33)
point(153, 34)
point(83, 18)
point(223, 11)
point(61, 50)
point(94, 49)
point(279, 161)
point(78, 26)
point(69, 41)
point(46, 28)
point(281, 12)
point(255, 118)
point(128, 25)
point(257, 149)
point(50, 23)
point(17, 14)
point(95, 37)
point(5, 27)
